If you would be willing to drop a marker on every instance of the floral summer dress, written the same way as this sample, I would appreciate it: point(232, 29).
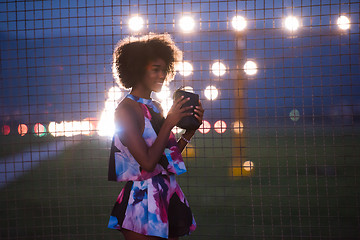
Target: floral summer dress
point(151, 203)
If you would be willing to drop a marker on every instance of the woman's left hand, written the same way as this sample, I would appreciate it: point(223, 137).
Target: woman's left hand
point(199, 112)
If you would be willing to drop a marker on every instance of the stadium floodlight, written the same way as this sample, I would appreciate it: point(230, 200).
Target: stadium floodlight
point(239, 23)
point(248, 166)
point(39, 130)
point(211, 92)
point(220, 126)
point(22, 129)
point(292, 23)
point(188, 89)
point(238, 127)
point(205, 127)
point(250, 68)
point(187, 24)
point(343, 22)
point(136, 23)
point(218, 68)
point(184, 68)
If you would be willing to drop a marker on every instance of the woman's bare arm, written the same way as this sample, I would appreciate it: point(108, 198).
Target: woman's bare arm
point(148, 156)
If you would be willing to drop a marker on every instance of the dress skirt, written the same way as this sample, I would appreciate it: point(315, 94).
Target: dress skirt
point(154, 207)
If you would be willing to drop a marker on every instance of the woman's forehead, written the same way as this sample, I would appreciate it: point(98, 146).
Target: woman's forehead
point(157, 62)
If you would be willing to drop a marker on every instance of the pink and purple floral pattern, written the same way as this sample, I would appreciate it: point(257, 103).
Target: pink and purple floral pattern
point(151, 203)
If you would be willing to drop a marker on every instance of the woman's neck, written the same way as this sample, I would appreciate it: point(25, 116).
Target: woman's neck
point(140, 92)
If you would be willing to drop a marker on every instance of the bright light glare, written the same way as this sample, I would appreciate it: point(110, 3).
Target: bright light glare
point(248, 166)
point(250, 68)
point(188, 89)
point(39, 130)
point(164, 93)
point(218, 68)
point(343, 23)
point(22, 129)
point(204, 127)
point(106, 125)
point(239, 23)
point(177, 130)
point(114, 93)
point(220, 126)
point(136, 23)
point(184, 68)
point(238, 127)
point(211, 92)
point(69, 129)
point(166, 104)
point(187, 23)
point(110, 104)
point(291, 23)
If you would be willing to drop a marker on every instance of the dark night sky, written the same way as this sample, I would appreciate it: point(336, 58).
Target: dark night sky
point(56, 58)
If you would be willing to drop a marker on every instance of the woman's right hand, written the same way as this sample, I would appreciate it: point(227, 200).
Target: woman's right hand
point(176, 112)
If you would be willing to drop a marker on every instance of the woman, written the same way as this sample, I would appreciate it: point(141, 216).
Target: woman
point(144, 151)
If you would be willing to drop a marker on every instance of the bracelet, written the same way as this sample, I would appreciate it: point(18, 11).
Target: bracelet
point(183, 138)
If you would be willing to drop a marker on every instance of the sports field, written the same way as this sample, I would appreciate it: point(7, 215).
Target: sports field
point(305, 185)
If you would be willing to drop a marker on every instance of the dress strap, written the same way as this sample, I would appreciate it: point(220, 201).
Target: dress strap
point(148, 102)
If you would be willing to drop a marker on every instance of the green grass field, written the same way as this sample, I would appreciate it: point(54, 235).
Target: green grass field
point(305, 185)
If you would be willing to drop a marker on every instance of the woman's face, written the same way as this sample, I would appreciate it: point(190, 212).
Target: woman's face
point(155, 75)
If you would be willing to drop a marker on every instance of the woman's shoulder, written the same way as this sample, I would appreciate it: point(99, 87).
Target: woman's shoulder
point(127, 105)
point(128, 109)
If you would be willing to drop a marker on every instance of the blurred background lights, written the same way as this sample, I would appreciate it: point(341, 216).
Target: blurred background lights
point(114, 93)
point(250, 68)
point(211, 92)
point(187, 23)
point(184, 68)
point(239, 23)
point(248, 166)
point(294, 115)
point(39, 130)
point(166, 104)
point(204, 127)
point(343, 23)
point(188, 89)
point(136, 23)
point(5, 129)
point(110, 104)
point(238, 127)
point(189, 151)
point(220, 126)
point(292, 23)
point(56, 129)
point(106, 125)
point(177, 130)
point(71, 128)
point(22, 129)
point(218, 68)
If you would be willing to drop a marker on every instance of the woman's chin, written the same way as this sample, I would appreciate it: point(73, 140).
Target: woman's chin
point(157, 89)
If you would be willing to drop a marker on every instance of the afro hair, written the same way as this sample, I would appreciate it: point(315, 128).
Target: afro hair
point(132, 55)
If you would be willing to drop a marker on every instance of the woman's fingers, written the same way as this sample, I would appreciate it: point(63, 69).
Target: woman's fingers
point(183, 101)
point(184, 109)
point(180, 101)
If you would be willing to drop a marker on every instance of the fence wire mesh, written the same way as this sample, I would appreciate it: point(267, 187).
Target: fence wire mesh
point(277, 154)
